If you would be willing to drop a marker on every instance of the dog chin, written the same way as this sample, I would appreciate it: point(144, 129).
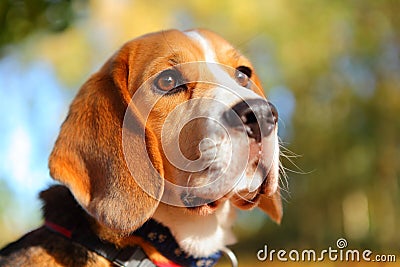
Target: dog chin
point(206, 209)
point(243, 200)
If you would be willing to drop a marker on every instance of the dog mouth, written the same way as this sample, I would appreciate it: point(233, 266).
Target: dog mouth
point(202, 206)
point(196, 204)
point(256, 179)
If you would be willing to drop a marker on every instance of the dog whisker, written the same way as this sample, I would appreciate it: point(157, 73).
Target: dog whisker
point(299, 170)
point(283, 197)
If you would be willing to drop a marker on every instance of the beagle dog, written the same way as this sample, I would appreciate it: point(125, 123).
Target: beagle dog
point(159, 148)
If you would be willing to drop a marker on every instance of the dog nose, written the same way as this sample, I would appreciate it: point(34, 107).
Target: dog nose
point(257, 116)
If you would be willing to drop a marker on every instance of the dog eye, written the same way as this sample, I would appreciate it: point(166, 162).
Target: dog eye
point(242, 76)
point(169, 80)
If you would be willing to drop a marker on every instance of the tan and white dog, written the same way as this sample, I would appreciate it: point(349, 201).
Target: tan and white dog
point(159, 147)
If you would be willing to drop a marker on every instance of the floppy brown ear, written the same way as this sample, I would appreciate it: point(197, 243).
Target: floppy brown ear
point(89, 158)
point(272, 205)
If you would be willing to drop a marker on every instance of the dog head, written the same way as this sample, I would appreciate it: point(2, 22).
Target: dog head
point(177, 117)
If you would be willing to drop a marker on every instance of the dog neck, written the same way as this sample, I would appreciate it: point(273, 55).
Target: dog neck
point(199, 235)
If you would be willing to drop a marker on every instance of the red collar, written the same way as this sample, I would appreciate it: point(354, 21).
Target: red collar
point(132, 256)
point(58, 229)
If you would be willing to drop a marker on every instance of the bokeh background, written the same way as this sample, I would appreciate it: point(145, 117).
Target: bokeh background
point(332, 68)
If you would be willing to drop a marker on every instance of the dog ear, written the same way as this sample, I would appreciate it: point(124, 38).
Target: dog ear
point(90, 159)
point(272, 205)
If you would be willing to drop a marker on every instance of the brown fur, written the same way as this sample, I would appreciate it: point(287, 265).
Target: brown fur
point(43, 247)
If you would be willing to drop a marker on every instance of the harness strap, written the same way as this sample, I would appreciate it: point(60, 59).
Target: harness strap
point(158, 235)
point(132, 256)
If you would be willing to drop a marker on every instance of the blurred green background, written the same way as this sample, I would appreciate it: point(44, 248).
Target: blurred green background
point(332, 68)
